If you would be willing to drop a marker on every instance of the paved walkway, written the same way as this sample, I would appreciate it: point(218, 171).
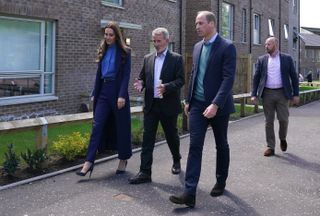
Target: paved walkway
point(286, 184)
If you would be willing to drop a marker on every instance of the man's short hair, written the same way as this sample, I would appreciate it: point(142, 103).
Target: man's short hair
point(210, 16)
point(162, 31)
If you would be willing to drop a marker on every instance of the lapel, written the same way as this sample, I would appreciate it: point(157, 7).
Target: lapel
point(165, 64)
point(265, 65)
point(213, 50)
point(118, 60)
point(151, 69)
point(281, 61)
point(197, 53)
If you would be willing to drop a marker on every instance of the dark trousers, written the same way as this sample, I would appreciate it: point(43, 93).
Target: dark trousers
point(169, 125)
point(198, 128)
point(105, 107)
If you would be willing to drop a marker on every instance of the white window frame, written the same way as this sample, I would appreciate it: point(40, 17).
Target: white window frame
point(256, 29)
point(271, 26)
point(33, 73)
point(229, 27)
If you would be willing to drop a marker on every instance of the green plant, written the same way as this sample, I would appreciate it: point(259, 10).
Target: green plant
point(71, 146)
point(34, 159)
point(11, 162)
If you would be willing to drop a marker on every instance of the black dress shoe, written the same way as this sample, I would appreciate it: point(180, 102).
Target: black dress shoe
point(176, 168)
point(184, 199)
point(140, 178)
point(283, 145)
point(218, 189)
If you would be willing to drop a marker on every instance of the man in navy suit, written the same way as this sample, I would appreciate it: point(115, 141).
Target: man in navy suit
point(209, 102)
point(276, 82)
point(162, 77)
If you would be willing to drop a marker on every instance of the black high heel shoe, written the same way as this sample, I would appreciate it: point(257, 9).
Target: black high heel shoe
point(79, 173)
point(122, 171)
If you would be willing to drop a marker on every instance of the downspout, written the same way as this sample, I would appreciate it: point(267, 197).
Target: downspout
point(250, 27)
point(299, 42)
point(180, 37)
point(218, 16)
point(280, 25)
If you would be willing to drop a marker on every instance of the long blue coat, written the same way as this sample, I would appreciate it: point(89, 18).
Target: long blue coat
point(117, 134)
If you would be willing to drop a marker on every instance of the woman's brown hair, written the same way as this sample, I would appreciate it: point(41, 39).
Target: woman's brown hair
point(119, 41)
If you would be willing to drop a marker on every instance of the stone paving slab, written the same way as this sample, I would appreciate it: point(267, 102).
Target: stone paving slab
point(286, 184)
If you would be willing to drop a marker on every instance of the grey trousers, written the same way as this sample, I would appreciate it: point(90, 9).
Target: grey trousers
point(274, 101)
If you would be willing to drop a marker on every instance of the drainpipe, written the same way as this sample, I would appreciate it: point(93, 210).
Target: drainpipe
point(280, 25)
point(180, 38)
point(218, 16)
point(250, 26)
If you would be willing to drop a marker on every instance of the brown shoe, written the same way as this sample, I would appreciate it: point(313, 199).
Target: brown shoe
point(283, 145)
point(269, 152)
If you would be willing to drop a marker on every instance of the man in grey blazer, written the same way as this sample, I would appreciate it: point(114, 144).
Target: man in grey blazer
point(276, 82)
point(162, 77)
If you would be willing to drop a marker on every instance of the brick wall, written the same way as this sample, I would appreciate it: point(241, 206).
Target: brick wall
point(78, 34)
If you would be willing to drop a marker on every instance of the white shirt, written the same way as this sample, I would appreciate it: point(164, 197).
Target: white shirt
point(158, 63)
point(274, 80)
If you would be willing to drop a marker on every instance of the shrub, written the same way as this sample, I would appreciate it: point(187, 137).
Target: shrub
point(34, 159)
point(11, 162)
point(71, 146)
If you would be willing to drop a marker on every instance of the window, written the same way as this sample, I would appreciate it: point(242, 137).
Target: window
point(113, 2)
point(26, 58)
point(227, 21)
point(285, 27)
point(271, 26)
point(244, 25)
point(256, 29)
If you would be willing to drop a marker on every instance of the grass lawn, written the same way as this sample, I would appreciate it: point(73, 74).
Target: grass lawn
point(306, 88)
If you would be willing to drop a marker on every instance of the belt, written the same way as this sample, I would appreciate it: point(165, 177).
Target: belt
point(273, 88)
point(107, 79)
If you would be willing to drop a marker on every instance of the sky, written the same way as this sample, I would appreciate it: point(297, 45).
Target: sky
point(310, 13)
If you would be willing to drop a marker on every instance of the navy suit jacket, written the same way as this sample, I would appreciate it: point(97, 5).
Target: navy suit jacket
point(219, 75)
point(172, 76)
point(290, 81)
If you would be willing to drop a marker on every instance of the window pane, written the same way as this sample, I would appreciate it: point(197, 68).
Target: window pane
point(118, 2)
point(256, 29)
point(48, 47)
point(227, 21)
point(271, 25)
point(19, 86)
point(48, 84)
point(285, 31)
point(20, 45)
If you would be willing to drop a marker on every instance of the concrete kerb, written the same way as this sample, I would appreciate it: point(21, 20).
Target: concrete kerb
point(41, 177)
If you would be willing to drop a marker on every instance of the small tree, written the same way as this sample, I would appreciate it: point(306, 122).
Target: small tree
point(11, 162)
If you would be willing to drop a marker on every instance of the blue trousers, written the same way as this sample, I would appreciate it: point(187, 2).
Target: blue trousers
point(105, 107)
point(198, 128)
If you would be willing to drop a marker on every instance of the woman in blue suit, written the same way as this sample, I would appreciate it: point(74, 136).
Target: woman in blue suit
point(111, 122)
